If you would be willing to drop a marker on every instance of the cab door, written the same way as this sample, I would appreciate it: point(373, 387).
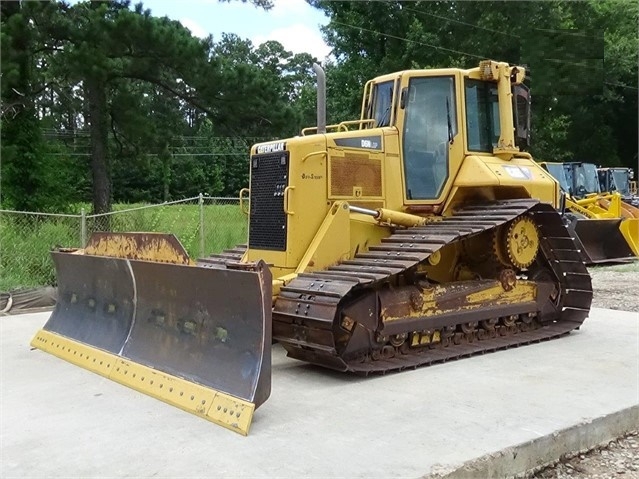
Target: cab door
point(428, 123)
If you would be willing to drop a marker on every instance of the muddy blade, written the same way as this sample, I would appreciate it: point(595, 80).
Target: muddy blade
point(205, 325)
point(602, 241)
point(96, 300)
point(194, 337)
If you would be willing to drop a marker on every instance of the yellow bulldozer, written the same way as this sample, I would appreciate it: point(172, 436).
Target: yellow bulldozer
point(417, 234)
point(605, 227)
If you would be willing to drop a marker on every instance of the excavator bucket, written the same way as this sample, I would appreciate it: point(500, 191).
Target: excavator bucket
point(195, 337)
point(603, 240)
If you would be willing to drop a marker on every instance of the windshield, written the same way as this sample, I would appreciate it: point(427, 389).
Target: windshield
point(482, 115)
point(621, 181)
point(557, 171)
point(429, 127)
point(586, 179)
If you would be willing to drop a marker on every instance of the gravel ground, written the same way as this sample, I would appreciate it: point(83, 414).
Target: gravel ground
point(619, 458)
point(615, 287)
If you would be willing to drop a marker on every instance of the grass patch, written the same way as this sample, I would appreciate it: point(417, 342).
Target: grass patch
point(26, 240)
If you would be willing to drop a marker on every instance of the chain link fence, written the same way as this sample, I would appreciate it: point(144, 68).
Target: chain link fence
point(204, 225)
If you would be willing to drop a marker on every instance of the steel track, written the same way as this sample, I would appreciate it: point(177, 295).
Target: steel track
point(307, 308)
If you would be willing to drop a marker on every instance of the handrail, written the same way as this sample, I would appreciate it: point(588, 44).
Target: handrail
point(248, 192)
point(287, 192)
point(315, 153)
point(342, 126)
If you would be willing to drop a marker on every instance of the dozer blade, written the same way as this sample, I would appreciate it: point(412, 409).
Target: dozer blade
point(602, 240)
point(197, 338)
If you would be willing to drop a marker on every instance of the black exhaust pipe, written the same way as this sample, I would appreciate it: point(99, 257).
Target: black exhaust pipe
point(321, 98)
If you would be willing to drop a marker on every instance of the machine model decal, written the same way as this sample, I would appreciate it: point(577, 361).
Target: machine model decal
point(518, 172)
point(270, 147)
point(368, 142)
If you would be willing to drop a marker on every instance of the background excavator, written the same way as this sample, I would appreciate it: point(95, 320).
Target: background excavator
point(417, 234)
point(605, 227)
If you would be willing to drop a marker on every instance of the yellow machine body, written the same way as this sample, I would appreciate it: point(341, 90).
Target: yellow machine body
point(366, 166)
point(421, 225)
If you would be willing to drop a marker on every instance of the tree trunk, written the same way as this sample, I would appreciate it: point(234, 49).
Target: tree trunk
point(100, 168)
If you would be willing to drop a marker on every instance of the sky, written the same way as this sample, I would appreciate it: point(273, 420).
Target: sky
point(293, 23)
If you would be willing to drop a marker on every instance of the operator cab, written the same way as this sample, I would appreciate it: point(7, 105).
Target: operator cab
point(429, 108)
point(615, 179)
point(583, 179)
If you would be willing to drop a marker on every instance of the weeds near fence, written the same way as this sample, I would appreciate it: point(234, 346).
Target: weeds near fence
point(203, 226)
point(25, 243)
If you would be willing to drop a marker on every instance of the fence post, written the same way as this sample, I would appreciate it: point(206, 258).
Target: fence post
point(201, 203)
point(83, 228)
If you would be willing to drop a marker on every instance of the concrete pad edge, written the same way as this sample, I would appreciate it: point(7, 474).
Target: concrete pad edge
point(525, 459)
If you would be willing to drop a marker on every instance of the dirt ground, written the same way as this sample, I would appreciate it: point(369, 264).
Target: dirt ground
point(615, 287)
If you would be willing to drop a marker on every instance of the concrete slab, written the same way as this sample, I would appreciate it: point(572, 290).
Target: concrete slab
point(59, 420)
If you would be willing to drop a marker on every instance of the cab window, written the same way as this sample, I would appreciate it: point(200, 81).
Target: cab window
point(621, 181)
point(382, 103)
point(482, 115)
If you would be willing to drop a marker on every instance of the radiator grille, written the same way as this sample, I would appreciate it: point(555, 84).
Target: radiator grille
point(356, 171)
point(267, 222)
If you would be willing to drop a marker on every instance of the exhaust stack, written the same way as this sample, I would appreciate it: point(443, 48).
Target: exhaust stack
point(321, 98)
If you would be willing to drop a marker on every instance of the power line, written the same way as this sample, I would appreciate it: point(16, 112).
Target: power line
point(569, 32)
point(459, 21)
point(621, 85)
point(474, 25)
point(407, 40)
point(586, 65)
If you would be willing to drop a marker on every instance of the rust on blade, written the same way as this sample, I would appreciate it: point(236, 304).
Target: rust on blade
point(159, 322)
point(160, 247)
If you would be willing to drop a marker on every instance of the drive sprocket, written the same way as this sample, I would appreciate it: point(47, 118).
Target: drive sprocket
point(517, 243)
point(521, 242)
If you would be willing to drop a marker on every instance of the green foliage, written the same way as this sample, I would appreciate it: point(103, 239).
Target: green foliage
point(583, 108)
point(104, 101)
point(550, 140)
point(142, 110)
